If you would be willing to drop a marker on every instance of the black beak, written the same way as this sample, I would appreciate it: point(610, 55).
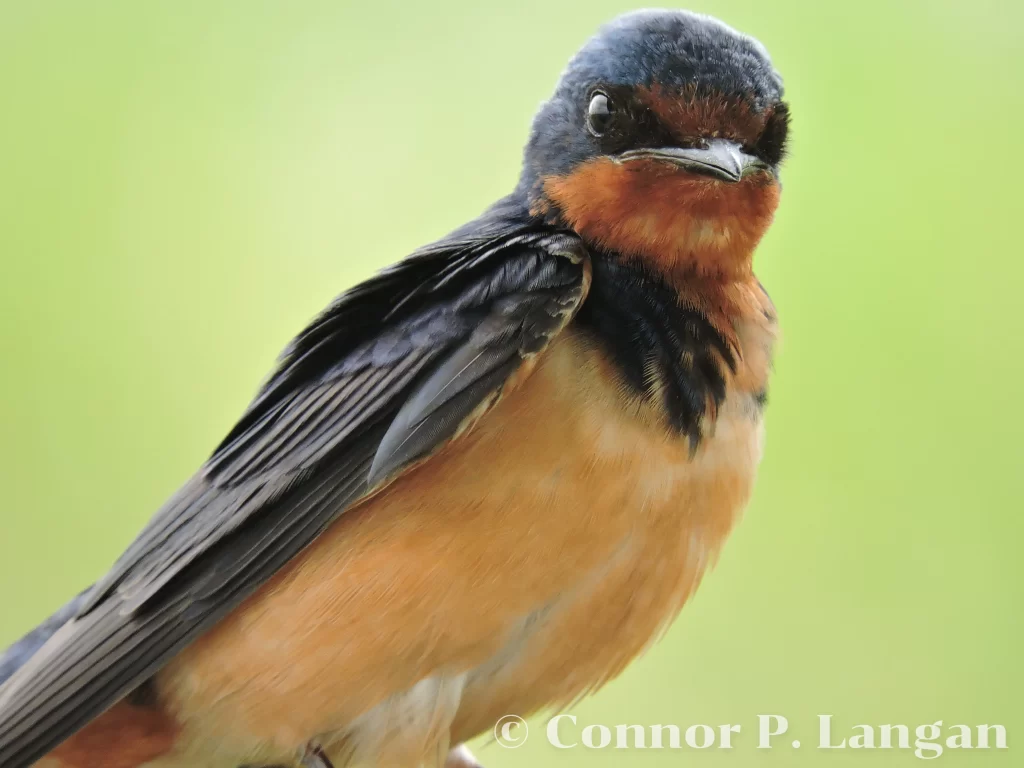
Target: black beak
point(721, 159)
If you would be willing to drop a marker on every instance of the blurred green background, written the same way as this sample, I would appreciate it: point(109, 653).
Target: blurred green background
point(183, 184)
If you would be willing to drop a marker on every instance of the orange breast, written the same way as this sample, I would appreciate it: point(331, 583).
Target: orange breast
point(523, 565)
point(125, 736)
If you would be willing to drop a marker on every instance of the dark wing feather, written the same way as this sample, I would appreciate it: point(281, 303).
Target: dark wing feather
point(388, 373)
point(21, 651)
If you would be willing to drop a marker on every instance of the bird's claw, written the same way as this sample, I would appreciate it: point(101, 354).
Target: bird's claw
point(461, 757)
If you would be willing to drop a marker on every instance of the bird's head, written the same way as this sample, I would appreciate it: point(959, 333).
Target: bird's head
point(663, 142)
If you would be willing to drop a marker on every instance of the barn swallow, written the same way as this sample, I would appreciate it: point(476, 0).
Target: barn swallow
point(478, 483)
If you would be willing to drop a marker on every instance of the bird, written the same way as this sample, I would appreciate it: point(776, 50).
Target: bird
point(482, 481)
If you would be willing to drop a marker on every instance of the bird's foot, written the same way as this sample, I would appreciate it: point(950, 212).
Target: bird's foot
point(461, 757)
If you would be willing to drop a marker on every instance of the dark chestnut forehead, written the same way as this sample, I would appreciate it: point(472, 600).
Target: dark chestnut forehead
point(692, 112)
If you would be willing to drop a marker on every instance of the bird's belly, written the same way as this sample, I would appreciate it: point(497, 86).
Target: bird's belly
point(522, 566)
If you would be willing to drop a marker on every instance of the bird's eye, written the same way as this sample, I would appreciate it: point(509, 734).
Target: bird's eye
point(599, 114)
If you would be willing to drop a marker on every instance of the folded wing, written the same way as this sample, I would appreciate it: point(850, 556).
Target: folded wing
point(392, 370)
